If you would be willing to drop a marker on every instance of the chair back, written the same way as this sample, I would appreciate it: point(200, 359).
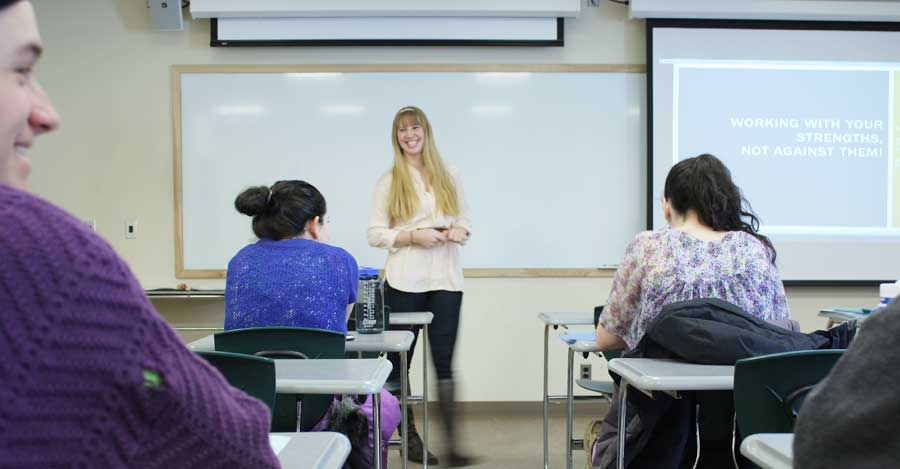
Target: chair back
point(253, 375)
point(314, 343)
point(598, 310)
point(288, 342)
point(769, 389)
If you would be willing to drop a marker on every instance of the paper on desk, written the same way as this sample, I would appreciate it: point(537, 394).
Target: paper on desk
point(278, 442)
point(573, 337)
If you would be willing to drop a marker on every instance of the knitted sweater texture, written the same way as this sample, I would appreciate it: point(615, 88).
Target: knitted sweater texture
point(90, 374)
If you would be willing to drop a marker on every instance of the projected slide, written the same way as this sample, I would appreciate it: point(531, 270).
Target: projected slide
point(809, 145)
point(807, 118)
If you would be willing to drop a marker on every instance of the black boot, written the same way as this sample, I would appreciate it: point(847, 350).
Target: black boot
point(447, 404)
point(415, 446)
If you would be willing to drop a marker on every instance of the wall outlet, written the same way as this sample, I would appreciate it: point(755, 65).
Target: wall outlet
point(92, 224)
point(131, 227)
point(585, 371)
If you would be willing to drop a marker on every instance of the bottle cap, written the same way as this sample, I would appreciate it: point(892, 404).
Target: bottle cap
point(368, 272)
point(889, 290)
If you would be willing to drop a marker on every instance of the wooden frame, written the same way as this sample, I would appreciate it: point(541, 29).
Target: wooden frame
point(178, 70)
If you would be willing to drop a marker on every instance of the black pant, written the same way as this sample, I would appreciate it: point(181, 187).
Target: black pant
point(445, 306)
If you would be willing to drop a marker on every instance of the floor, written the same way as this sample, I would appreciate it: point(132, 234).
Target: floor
point(505, 436)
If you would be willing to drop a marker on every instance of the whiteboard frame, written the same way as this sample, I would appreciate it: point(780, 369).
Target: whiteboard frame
point(178, 70)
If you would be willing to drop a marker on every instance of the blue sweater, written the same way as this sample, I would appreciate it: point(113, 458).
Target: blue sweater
point(295, 282)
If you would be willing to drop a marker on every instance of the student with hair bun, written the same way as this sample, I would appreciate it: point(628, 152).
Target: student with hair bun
point(315, 282)
point(292, 277)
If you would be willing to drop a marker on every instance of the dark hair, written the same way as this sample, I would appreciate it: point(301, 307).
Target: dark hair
point(283, 210)
point(8, 3)
point(703, 184)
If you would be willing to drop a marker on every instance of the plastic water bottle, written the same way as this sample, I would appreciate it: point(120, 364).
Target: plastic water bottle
point(369, 308)
point(887, 292)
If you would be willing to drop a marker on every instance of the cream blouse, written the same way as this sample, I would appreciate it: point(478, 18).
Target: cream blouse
point(416, 269)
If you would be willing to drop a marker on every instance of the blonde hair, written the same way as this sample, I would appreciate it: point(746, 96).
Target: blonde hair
point(402, 198)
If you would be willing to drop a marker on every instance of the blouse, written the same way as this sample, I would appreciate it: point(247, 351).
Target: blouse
point(416, 269)
point(668, 266)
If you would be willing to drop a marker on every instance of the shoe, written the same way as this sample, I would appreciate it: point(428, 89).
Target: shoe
point(415, 446)
point(447, 406)
point(460, 460)
point(417, 449)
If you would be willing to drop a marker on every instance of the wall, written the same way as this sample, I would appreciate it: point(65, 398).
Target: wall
point(111, 161)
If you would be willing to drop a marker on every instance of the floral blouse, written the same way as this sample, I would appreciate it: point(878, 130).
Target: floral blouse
point(667, 266)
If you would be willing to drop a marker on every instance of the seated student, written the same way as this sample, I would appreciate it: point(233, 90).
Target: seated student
point(850, 419)
point(711, 250)
point(91, 375)
point(291, 277)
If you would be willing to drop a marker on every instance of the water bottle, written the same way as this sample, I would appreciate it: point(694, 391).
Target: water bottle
point(887, 292)
point(369, 308)
point(884, 302)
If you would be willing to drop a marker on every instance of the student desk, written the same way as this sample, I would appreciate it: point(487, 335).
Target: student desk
point(388, 341)
point(420, 318)
point(556, 320)
point(837, 316)
point(336, 376)
point(311, 450)
point(770, 450)
point(585, 347)
point(669, 376)
point(394, 342)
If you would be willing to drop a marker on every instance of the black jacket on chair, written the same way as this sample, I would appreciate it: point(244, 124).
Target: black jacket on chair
point(662, 431)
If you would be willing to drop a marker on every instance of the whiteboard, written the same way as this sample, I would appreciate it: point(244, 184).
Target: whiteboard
point(552, 162)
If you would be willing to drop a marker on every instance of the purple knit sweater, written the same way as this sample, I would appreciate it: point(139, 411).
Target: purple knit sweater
point(90, 374)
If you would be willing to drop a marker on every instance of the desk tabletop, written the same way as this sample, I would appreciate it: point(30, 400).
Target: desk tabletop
point(388, 341)
point(584, 346)
point(311, 450)
point(205, 344)
point(327, 376)
point(652, 374)
point(770, 450)
point(567, 319)
point(419, 318)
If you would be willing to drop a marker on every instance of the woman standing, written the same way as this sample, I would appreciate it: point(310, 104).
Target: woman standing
point(419, 214)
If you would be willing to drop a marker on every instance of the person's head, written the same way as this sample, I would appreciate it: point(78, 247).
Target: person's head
point(288, 209)
point(412, 137)
point(702, 185)
point(412, 133)
point(25, 111)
